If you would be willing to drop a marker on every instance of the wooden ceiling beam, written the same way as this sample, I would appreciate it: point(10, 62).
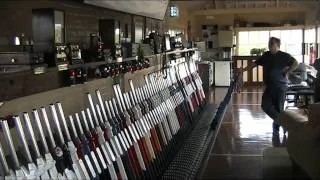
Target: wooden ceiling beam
point(249, 10)
point(233, 4)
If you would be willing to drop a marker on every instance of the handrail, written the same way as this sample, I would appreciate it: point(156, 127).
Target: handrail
point(245, 57)
point(179, 51)
point(252, 76)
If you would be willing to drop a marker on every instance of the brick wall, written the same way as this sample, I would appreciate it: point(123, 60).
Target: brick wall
point(80, 19)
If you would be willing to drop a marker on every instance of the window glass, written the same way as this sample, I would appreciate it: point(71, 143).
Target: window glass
point(275, 33)
point(318, 32)
point(291, 41)
point(297, 34)
point(58, 26)
point(310, 35)
point(244, 49)
point(138, 33)
point(138, 26)
point(243, 37)
point(293, 49)
point(298, 58)
point(253, 37)
point(263, 36)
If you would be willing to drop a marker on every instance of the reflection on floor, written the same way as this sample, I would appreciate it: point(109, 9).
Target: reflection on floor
point(244, 133)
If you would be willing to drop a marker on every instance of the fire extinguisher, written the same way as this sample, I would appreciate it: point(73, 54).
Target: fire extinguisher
point(312, 54)
point(72, 77)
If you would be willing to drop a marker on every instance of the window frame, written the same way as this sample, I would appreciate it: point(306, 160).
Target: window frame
point(284, 45)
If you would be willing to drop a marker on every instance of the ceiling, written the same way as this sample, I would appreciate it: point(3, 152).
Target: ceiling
point(157, 8)
point(149, 8)
point(223, 4)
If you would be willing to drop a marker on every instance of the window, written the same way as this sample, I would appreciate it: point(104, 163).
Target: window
point(252, 39)
point(243, 37)
point(318, 33)
point(58, 26)
point(309, 35)
point(174, 11)
point(138, 33)
point(291, 41)
point(138, 29)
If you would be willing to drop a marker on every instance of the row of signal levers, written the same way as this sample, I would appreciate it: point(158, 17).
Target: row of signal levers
point(130, 136)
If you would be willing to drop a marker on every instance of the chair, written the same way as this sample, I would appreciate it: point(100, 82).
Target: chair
point(300, 87)
point(297, 91)
point(307, 94)
point(303, 138)
point(302, 90)
point(293, 100)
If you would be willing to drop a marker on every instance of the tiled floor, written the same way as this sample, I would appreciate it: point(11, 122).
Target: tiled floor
point(244, 133)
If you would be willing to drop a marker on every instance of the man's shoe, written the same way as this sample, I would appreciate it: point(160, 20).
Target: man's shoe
point(284, 141)
point(284, 130)
point(275, 139)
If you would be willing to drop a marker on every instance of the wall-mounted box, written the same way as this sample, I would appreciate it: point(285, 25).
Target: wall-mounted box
point(225, 38)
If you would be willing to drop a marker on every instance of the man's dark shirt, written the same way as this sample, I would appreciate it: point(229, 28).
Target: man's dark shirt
point(273, 64)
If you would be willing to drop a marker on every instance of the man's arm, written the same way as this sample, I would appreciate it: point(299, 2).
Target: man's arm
point(289, 69)
point(259, 61)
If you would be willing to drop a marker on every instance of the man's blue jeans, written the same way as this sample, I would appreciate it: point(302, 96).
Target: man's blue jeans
point(273, 102)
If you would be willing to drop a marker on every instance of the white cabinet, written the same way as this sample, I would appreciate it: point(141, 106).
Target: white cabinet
point(222, 73)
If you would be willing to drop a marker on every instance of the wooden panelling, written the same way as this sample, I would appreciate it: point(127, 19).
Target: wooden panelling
point(73, 98)
point(26, 83)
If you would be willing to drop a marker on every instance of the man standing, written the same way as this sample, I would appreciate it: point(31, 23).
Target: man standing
point(277, 65)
